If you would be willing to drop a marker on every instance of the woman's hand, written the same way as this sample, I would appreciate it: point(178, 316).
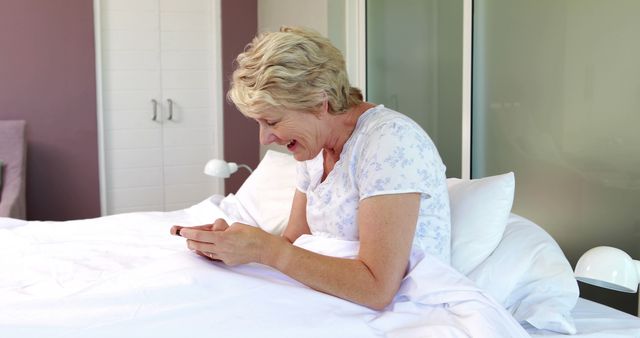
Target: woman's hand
point(233, 244)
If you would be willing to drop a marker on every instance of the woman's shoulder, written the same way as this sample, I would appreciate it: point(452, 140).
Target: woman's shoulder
point(388, 133)
point(381, 120)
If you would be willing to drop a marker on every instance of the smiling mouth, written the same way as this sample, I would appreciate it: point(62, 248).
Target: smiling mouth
point(291, 144)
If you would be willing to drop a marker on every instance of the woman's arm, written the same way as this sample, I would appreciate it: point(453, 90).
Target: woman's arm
point(386, 226)
point(297, 225)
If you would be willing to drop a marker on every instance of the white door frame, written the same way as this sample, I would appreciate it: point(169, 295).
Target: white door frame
point(356, 43)
point(217, 95)
point(97, 30)
point(467, 62)
point(356, 59)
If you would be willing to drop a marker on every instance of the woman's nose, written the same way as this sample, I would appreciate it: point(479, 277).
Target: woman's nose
point(266, 136)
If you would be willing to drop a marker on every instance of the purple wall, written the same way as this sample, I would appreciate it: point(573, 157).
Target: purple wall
point(47, 77)
point(241, 138)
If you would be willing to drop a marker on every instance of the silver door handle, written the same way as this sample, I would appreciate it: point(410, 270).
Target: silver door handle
point(170, 102)
point(155, 110)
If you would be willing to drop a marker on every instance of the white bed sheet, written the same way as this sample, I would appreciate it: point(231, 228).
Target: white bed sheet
point(595, 320)
point(125, 276)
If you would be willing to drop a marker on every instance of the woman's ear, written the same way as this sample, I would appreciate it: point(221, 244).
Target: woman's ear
point(323, 108)
point(325, 103)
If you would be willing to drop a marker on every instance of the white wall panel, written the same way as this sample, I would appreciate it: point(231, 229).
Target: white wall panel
point(183, 79)
point(130, 119)
point(131, 60)
point(188, 137)
point(182, 41)
point(141, 20)
point(187, 155)
point(198, 6)
point(177, 175)
point(134, 139)
point(130, 40)
point(186, 60)
point(130, 6)
point(131, 80)
point(183, 22)
point(134, 158)
point(179, 194)
point(117, 100)
point(136, 177)
point(133, 197)
point(195, 100)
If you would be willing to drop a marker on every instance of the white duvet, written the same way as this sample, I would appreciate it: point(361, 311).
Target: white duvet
point(125, 276)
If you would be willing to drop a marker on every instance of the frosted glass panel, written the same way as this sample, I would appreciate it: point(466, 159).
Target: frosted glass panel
point(556, 99)
point(414, 65)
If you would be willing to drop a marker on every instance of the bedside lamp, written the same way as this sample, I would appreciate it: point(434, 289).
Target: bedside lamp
point(220, 168)
point(609, 268)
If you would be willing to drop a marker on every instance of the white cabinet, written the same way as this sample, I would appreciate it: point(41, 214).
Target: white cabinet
point(160, 102)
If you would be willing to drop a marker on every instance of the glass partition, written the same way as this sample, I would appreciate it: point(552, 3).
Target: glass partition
point(556, 99)
point(414, 66)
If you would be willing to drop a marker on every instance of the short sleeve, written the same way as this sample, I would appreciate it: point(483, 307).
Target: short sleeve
point(397, 157)
point(303, 179)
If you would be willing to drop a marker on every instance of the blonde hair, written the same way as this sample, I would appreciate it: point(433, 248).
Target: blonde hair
point(296, 69)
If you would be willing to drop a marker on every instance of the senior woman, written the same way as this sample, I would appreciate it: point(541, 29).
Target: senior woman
point(365, 173)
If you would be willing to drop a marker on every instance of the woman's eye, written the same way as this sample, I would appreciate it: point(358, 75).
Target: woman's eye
point(271, 124)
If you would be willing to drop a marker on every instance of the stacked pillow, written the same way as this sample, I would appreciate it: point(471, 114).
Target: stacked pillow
point(529, 275)
point(267, 193)
point(479, 212)
point(510, 257)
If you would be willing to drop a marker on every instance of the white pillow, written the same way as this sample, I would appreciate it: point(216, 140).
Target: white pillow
point(530, 276)
point(479, 212)
point(266, 195)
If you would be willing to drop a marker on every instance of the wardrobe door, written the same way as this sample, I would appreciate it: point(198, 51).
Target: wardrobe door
point(161, 116)
point(131, 106)
point(187, 59)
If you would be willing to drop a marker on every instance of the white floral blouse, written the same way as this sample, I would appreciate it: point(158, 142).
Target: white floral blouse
point(387, 153)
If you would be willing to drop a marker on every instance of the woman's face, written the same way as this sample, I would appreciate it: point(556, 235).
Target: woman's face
point(301, 132)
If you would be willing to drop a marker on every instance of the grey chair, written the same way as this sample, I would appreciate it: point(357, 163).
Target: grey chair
point(13, 154)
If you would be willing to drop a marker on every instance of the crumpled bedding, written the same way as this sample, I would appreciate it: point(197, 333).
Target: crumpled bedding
point(125, 276)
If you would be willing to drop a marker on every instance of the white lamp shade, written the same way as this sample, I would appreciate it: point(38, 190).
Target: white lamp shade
point(609, 268)
point(220, 168)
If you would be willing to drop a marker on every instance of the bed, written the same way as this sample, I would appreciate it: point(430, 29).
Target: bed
point(124, 275)
point(595, 320)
